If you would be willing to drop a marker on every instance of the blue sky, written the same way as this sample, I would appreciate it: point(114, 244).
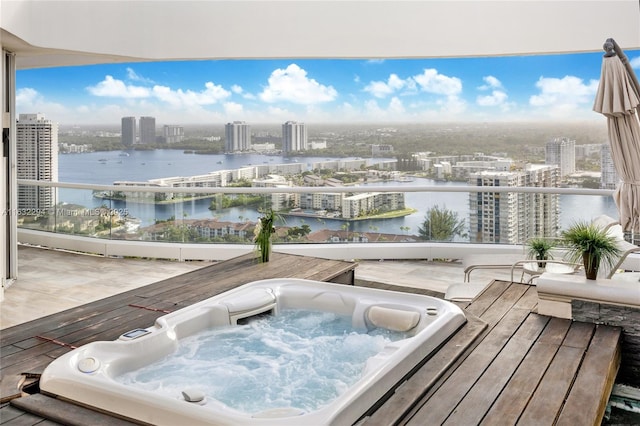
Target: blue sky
point(549, 88)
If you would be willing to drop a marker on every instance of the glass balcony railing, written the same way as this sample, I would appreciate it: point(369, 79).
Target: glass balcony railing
point(391, 212)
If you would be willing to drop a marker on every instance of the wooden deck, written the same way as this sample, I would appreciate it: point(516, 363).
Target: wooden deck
point(507, 365)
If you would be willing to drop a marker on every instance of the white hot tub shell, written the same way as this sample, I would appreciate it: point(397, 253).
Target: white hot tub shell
point(86, 374)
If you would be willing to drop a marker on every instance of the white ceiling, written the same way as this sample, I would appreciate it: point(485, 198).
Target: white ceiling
point(52, 33)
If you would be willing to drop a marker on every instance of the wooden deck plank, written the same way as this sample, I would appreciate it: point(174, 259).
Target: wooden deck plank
point(478, 401)
point(515, 396)
point(588, 397)
point(427, 376)
point(500, 307)
point(437, 407)
point(487, 297)
point(548, 398)
point(66, 413)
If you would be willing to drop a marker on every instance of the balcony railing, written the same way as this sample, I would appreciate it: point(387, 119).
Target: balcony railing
point(218, 222)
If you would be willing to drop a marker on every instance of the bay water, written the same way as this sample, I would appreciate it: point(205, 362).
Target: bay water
point(104, 168)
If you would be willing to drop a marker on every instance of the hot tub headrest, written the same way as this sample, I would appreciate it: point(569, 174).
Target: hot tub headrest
point(250, 300)
point(393, 319)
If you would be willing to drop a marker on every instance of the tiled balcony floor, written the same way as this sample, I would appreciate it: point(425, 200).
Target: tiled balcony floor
point(51, 281)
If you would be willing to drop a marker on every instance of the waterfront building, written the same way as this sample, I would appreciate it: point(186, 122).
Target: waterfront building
point(513, 218)
point(362, 204)
point(463, 169)
point(172, 133)
point(37, 159)
point(294, 137)
point(263, 147)
point(147, 130)
point(128, 131)
point(237, 136)
point(318, 145)
point(326, 201)
point(341, 165)
point(562, 152)
point(442, 170)
point(381, 149)
point(609, 177)
point(585, 151)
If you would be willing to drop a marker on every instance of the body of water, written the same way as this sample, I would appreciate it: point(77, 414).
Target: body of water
point(104, 168)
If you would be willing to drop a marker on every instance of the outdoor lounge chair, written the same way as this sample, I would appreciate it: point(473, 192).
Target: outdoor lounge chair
point(515, 261)
point(466, 291)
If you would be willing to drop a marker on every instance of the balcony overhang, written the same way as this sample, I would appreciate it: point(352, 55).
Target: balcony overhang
point(58, 33)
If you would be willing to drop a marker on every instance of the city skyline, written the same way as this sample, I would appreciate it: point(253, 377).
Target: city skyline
point(514, 88)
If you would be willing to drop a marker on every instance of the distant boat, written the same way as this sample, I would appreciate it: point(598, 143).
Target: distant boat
point(102, 160)
point(220, 162)
point(124, 154)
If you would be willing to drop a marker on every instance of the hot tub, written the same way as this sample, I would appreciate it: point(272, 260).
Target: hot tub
point(105, 374)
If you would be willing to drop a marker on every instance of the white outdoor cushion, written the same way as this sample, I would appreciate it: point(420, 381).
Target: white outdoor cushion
point(393, 319)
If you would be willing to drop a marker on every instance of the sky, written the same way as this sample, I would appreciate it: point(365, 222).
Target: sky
point(514, 88)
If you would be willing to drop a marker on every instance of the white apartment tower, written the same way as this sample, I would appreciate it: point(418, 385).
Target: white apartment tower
point(294, 137)
point(509, 217)
point(562, 152)
point(609, 176)
point(147, 130)
point(237, 136)
point(172, 134)
point(37, 158)
point(128, 131)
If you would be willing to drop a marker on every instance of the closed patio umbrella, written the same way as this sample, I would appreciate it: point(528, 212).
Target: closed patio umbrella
point(618, 98)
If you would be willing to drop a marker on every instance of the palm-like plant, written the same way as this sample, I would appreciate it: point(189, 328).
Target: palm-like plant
point(539, 248)
point(591, 245)
point(263, 231)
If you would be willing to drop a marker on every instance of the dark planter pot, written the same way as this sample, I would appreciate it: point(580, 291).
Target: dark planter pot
point(590, 266)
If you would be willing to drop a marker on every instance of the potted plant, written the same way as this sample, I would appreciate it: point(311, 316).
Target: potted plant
point(539, 248)
point(263, 231)
point(592, 246)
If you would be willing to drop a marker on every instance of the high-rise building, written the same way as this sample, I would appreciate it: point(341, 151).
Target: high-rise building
point(294, 137)
point(609, 177)
point(128, 131)
point(172, 134)
point(509, 217)
point(147, 130)
point(37, 158)
point(562, 152)
point(237, 136)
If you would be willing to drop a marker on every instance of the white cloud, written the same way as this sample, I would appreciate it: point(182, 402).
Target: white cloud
point(431, 81)
point(26, 96)
point(381, 89)
point(110, 87)
point(490, 83)
point(133, 76)
point(635, 63)
point(236, 89)
point(496, 98)
point(233, 108)
point(563, 97)
point(30, 101)
point(293, 85)
point(211, 94)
